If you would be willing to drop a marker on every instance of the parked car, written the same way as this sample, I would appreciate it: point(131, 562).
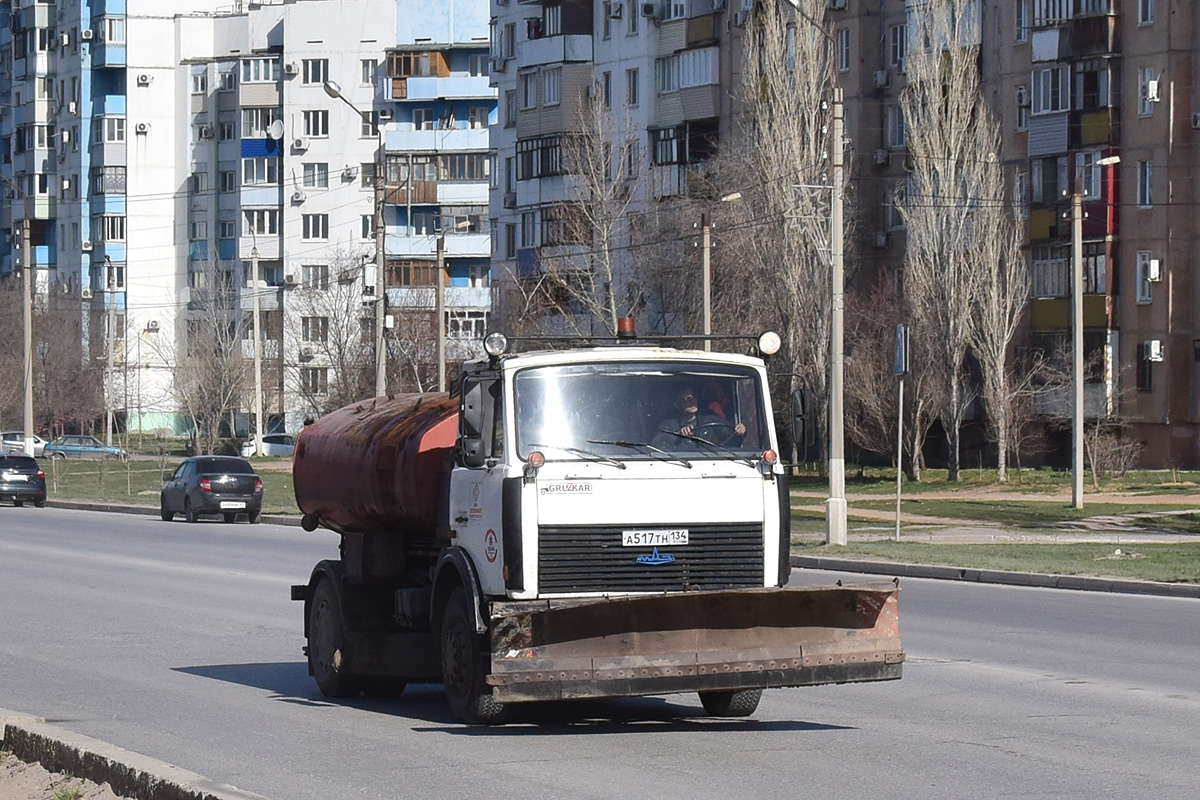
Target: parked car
point(222, 485)
point(14, 442)
point(77, 446)
point(21, 479)
point(273, 444)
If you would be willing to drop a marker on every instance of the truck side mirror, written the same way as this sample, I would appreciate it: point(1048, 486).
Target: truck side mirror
point(471, 453)
point(801, 408)
point(470, 441)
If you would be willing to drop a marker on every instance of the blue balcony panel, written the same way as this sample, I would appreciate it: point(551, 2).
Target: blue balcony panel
point(112, 105)
point(109, 203)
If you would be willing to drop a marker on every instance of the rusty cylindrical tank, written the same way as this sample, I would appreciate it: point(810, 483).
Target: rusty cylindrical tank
point(379, 467)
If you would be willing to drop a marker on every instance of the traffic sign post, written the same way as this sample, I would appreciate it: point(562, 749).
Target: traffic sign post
point(901, 371)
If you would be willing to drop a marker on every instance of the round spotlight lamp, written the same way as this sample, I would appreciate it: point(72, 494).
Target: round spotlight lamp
point(769, 343)
point(495, 344)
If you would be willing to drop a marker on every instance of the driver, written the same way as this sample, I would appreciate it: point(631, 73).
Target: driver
point(688, 421)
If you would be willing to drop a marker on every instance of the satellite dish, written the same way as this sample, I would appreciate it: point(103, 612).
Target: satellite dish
point(276, 129)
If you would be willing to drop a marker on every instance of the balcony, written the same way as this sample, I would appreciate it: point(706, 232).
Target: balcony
point(437, 140)
point(1100, 126)
point(1054, 313)
point(554, 50)
point(432, 88)
point(424, 298)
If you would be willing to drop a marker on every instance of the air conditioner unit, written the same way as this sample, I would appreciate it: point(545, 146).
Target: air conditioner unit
point(86, 245)
point(499, 64)
point(615, 10)
point(510, 199)
point(650, 10)
point(142, 127)
point(72, 107)
point(349, 174)
point(66, 40)
point(64, 136)
point(301, 143)
point(883, 79)
point(836, 5)
point(1154, 270)
point(205, 131)
point(881, 240)
point(289, 279)
point(882, 157)
point(290, 68)
point(298, 197)
point(385, 114)
point(1152, 95)
point(86, 34)
point(85, 293)
point(144, 78)
point(1152, 350)
point(1022, 97)
point(306, 351)
point(151, 326)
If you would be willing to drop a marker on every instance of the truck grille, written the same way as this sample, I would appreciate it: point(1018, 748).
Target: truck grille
point(591, 559)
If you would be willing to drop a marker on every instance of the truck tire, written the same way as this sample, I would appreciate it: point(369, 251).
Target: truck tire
point(740, 703)
point(465, 665)
point(326, 638)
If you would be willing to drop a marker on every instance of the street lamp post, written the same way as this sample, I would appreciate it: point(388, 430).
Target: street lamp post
point(255, 326)
point(1077, 330)
point(27, 289)
point(110, 384)
point(335, 91)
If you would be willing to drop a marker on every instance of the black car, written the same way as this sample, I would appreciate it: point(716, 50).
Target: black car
point(212, 485)
point(22, 479)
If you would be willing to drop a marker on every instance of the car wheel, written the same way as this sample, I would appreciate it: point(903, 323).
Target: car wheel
point(58, 456)
point(465, 665)
point(229, 517)
point(326, 639)
point(164, 511)
point(189, 513)
point(741, 703)
point(19, 503)
point(39, 503)
point(252, 517)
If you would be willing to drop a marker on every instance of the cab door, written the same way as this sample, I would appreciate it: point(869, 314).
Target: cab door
point(477, 480)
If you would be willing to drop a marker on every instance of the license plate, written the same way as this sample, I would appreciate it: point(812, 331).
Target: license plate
point(230, 504)
point(654, 538)
point(15, 477)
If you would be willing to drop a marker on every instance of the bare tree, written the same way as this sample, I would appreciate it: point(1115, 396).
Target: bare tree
point(776, 273)
point(961, 242)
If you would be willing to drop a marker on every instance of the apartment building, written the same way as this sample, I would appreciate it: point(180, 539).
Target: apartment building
point(164, 150)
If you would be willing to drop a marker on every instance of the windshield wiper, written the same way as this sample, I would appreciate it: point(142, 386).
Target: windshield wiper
point(720, 448)
point(585, 454)
point(658, 453)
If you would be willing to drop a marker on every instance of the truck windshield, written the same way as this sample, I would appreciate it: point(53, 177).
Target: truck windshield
point(646, 410)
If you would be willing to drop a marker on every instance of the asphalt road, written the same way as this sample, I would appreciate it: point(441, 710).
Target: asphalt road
point(178, 641)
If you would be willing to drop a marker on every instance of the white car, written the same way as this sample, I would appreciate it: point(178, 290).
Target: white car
point(273, 444)
point(14, 442)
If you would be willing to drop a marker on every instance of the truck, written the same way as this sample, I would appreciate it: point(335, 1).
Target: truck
point(600, 520)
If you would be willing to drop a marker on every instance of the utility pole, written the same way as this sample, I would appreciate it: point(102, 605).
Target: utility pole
point(706, 271)
point(440, 312)
point(110, 388)
point(380, 267)
point(835, 511)
point(27, 288)
point(255, 329)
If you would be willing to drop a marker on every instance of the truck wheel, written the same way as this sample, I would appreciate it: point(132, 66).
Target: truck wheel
point(465, 665)
point(731, 704)
point(326, 638)
point(383, 688)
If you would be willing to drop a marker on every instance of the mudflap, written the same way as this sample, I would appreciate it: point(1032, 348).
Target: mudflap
point(698, 641)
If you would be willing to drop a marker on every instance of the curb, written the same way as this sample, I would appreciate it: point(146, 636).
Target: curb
point(152, 511)
point(970, 575)
point(129, 774)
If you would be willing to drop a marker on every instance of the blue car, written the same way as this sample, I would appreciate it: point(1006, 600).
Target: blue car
point(79, 446)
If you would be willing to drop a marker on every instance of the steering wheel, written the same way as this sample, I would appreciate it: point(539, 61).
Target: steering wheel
point(717, 431)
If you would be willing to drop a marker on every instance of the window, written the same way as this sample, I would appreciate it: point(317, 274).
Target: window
point(477, 117)
point(260, 70)
point(226, 181)
point(1021, 194)
point(316, 123)
point(1147, 91)
point(465, 219)
point(510, 240)
point(1144, 379)
point(1022, 21)
point(676, 9)
point(315, 71)
point(510, 108)
point(411, 273)
point(632, 15)
point(226, 229)
point(1051, 90)
point(316, 176)
point(1092, 84)
point(527, 85)
point(226, 131)
point(606, 84)
point(467, 324)
point(631, 87)
point(606, 20)
point(422, 119)
point(314, 380)
point(552, 20)
point(1095, 268)
point(315, 226)
point(369, 125)
point(685, 69)
point(199, 80)
point(114, 30)
point(898, 39)
point(539, 157)
point(110, 129)
point(633, 158)
point(1022, 108)
point(111, 228)
point(1145, 291)
point(551, 83)
point(108, 180)
point(261, 221)
point(260, 171)
point(198, 183)
point(198, 230)
point(510, 39)
point(368, 70)
point(893, 204)
point(897, 138)
point(228, 78)
point(1048, 177)
point(477, 65)
point(1051, 269)
point(367, 231)
point(256, 122)
point(1145, 174)
point(843, 50)
point(1145, 12)
point(315, 276)
point(314, 329)
point(1089, 174)
point(463, 167)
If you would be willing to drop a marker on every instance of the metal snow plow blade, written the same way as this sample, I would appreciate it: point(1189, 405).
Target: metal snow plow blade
point(698, 641)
